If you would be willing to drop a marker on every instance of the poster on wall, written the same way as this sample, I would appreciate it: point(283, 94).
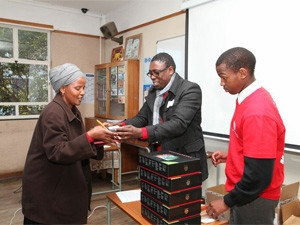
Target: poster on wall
point(89, 89)
point(147, 80)
point(146, 90)
point(133, 46)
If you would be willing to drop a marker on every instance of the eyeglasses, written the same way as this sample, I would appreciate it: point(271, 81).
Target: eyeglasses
point(156, 72)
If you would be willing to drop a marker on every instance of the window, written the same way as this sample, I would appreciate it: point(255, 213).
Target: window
point(24, 65)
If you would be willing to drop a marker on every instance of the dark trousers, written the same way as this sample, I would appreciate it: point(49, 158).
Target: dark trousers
point(260, 211)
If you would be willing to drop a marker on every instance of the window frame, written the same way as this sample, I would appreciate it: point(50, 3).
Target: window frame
point(26, 61)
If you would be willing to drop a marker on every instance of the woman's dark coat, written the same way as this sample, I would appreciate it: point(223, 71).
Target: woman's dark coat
point(56, 178)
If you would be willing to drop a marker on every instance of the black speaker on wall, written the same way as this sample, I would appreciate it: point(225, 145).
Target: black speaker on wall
point(109, 30)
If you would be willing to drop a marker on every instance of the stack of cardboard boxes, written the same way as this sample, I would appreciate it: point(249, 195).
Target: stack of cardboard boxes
point(171, 189)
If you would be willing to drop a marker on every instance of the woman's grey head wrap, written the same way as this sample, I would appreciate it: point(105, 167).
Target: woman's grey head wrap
point(64, 75)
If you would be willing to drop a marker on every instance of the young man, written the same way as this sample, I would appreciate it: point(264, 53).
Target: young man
point(254, 161)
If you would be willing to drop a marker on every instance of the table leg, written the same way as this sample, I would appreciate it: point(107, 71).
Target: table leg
point(120, 170)
point(108, 211)
point(113, 171)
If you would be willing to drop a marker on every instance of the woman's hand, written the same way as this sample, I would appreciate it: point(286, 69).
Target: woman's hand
point(103, 134)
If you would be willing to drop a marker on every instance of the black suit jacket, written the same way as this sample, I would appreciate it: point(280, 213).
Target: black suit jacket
point(181, 112)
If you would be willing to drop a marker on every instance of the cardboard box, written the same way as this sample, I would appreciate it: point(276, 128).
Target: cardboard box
point(171, 183)
point(289, 193)
point(169, 163)
point(216, 193)
point(171, 212)
point(291, 213)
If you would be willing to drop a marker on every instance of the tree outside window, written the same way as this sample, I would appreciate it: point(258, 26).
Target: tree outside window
point(24, 63)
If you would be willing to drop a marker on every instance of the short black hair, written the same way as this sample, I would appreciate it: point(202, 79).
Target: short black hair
point(236, 58)
point(165, 58)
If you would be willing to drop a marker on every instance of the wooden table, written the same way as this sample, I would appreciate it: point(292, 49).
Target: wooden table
point(133, 209)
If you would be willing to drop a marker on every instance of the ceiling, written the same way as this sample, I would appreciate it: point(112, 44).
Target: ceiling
point(95, 7)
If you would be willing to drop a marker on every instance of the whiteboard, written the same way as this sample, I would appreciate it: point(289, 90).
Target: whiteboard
point(175, 47)
point(268, 28)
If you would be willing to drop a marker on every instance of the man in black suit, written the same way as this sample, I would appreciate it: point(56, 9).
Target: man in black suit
point(170, 119)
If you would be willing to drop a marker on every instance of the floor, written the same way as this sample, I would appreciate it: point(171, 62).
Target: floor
point(10, 197)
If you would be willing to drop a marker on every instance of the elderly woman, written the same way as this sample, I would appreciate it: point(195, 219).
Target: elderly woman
point(56, 178)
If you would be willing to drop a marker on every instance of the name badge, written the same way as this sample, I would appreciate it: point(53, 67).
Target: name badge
point(170, 103)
